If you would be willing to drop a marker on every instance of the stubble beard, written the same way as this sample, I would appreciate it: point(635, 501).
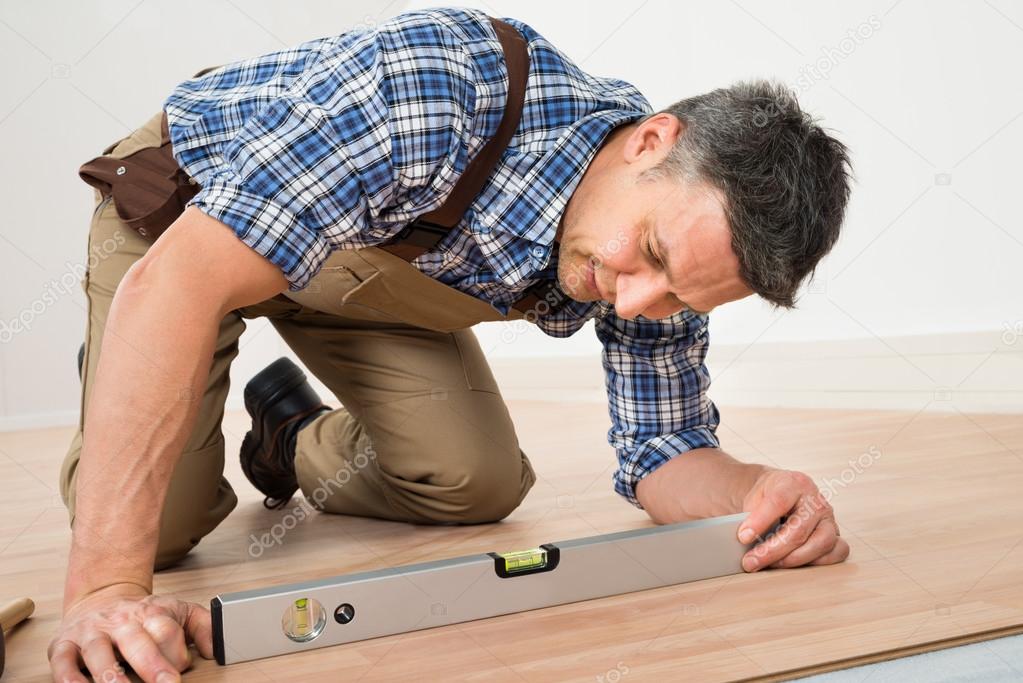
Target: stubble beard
point(572, 276)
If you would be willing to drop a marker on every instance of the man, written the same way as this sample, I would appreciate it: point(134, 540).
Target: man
point(310, 159)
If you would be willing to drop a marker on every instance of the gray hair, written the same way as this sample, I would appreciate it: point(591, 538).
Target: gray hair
point(785, 181)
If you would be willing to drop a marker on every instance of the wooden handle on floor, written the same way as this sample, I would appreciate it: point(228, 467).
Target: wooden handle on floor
point(13, 613)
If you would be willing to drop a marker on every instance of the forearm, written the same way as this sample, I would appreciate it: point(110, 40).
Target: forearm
point(704, 482)
point(156, 354)
point(157, 351)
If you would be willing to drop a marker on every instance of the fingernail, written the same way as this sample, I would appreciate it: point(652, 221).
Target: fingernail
point(750, 564)
point(746, 535)
point(167, 677)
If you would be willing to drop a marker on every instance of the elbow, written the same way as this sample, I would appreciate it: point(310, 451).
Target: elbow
point(172, 285)
point(650, 503)
point(144, 282)
point(137, 284)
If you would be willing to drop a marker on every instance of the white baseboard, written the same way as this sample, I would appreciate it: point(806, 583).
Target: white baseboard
point(976, 372)
point(57, 418)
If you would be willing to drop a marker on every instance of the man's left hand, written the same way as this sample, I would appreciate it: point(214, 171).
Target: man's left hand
point(809, 534)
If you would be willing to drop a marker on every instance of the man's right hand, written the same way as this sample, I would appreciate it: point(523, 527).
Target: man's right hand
point(150, 633)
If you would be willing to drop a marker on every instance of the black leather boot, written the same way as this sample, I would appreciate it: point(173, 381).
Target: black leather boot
point(280, 402)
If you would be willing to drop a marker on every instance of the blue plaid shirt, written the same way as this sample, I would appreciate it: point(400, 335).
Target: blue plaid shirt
point(340, 142)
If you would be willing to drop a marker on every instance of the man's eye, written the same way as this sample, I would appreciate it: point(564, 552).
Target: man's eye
point(652, 255)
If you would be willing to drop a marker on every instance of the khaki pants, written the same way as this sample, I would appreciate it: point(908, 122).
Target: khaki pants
point(424, 435)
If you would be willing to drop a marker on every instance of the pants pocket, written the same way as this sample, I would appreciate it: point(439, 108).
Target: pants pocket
point(329, 288)
point(400, 290)
point(478, 375)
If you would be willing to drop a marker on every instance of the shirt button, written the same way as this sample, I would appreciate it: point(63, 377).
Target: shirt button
point(539, 252)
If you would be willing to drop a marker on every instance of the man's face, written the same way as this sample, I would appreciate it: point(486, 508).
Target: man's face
point(649, 245)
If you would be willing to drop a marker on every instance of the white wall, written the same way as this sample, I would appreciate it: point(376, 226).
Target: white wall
point(927, 97)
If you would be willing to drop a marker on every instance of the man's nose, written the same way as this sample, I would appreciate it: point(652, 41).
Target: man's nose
point(635, 295)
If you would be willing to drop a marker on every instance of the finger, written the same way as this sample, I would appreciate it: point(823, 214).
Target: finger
point(101, 661)
point(821, 542)
point(199, 629)
point(766, 512)
point(64, 663)
point(838, 554)
point(803, 520)
point(139, 649)
point(789, 536)
point(169, 636)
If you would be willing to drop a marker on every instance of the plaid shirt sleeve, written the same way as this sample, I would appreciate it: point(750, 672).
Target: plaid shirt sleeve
point(322, 156)
point(657, 392)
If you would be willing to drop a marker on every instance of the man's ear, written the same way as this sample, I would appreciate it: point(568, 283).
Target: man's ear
point(651, 141)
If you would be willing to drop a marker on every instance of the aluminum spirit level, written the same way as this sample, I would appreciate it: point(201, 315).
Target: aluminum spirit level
point(302, 616)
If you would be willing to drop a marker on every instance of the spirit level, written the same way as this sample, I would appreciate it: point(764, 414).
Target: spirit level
point(302, 616)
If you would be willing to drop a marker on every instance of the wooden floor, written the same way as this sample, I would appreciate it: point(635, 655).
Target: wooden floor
point(930, 504)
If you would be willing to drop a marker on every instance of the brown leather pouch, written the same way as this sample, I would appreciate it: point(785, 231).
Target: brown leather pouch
point(149, 190)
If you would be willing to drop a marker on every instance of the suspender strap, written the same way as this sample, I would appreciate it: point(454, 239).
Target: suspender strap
point(426, 231)
point(543, 298)
point(429, 229)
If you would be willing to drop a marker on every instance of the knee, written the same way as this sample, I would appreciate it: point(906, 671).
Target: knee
point(172, 550)
point(485, 491)
point(198, 498)
point(183, 526)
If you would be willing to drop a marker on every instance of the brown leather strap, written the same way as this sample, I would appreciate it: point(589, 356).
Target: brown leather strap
point(543, 298)
point(426, 231)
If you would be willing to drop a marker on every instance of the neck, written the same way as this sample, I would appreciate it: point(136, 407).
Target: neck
point(604, 160)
